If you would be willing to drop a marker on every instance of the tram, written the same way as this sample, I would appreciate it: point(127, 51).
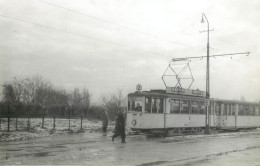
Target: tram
point(179, 110)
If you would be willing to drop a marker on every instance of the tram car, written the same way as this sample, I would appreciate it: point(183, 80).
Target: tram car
point(178, 110)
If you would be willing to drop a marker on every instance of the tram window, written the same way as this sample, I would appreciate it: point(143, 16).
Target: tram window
point(128, 105)
point(246, 110)
point(157, 105)
point(225, 110)
point(194, 107)
point(233, 109)
point(257, 111)
point(132, 105)
point(218, 108)
point(174, 106)
point(148, 105)
point(160, 107)
point(228, 110)
point(202, 108)
point(254, 110)
point(138, 106)
point(154, 106)
point(251, 110)
point(240, 110)
point(185, 105)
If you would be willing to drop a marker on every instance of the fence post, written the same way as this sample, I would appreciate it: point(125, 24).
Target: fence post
point(43, 121)
point(69, 122)
point(28, 123)
point(8, 121)
point(81, 122)
point(16, 121)
point(54, 122)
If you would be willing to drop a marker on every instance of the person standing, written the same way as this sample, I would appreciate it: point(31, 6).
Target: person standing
point(120, 126)
point(104, 122)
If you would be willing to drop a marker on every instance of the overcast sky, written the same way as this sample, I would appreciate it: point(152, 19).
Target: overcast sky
point(107, 45)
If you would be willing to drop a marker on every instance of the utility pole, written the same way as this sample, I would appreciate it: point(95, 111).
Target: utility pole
point(207, 80)
point(207, 126)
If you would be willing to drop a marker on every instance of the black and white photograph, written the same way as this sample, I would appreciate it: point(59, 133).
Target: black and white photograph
point(130, 82)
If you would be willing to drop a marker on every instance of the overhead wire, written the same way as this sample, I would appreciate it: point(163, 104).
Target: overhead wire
point(76, 34)
point(111, 22)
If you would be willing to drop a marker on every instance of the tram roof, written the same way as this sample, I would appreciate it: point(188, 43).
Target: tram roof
point(234, 101)
point(162, 93)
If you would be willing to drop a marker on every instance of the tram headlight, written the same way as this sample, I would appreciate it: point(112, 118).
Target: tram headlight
point(134, 122)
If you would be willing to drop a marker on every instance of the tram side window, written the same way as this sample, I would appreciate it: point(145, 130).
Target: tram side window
point(148, 103)
point(225, 110)
point(233, 109)
point(228, 109)
point(160, 107)
point(251, 110)
point(240, 110)
point(202, 108)
point(185, 105)
point(157, 105)
point(257, 111)
point(194, 107)
point(174, 106)
point(246, 110)
point(218, 108)
point(154, 106)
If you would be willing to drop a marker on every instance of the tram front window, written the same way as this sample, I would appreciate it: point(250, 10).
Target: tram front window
point(135, 105)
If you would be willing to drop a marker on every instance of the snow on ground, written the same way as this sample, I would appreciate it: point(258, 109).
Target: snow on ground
point(36, 130)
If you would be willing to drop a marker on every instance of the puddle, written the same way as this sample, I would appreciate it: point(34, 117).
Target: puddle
point(13, 150)
point(41, 154)
point(170, 141)
point(56, 146)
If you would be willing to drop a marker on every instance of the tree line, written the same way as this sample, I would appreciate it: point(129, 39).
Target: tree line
point(34, 96)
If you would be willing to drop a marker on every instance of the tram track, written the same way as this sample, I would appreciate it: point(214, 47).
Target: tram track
point(197, 159)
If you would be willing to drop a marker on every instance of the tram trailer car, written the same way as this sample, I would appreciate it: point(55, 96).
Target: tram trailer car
point(177, 110)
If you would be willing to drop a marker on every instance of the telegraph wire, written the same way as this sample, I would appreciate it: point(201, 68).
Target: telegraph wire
point(111, 22)
point(76, 34)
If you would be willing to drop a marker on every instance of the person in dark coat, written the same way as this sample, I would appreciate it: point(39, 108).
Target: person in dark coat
point(120, 126)
point(104, 122)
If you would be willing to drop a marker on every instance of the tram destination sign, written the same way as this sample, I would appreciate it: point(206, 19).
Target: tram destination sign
point(189, 92)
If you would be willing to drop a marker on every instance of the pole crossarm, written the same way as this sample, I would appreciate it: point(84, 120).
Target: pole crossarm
point(219, 55)
point(206, 31)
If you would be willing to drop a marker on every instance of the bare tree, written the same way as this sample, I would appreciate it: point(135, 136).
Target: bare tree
point(114, 102)
point(79, 101)
point(12, 91)
point(12, 94)
point(36, 92)
point(85, 100)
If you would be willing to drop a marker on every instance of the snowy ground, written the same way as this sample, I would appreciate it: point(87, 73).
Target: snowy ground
point(36, 130)
point(240, 148)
